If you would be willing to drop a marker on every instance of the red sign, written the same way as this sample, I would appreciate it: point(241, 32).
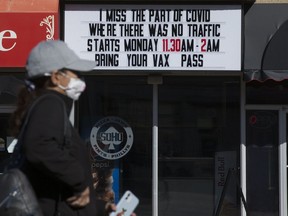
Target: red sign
point(20, 32)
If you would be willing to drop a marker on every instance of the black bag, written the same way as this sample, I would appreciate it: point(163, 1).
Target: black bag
point(17, 197)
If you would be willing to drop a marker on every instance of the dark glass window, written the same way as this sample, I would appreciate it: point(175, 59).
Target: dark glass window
point(199, 139)
point(199, 136)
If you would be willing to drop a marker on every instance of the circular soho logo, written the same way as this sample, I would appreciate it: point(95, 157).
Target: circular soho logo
point(111, 138)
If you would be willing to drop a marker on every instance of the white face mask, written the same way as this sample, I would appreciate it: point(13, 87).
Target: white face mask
point(74, 88)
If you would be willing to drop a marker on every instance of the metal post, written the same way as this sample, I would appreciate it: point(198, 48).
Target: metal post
point(155, 151)
point(243, 146)
point(282, 163)
point(155, 80)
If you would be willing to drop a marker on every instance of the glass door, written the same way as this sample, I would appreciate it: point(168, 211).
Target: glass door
point(266, 160)
point(262, 144)
point(199, 136)
point(119, 110)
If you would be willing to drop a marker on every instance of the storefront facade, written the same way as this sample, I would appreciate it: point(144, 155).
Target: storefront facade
point(265, 128)
point(175, 107)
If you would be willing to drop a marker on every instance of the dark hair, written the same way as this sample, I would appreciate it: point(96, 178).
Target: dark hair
point(25, 98)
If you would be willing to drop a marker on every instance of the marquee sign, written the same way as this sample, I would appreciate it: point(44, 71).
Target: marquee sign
point(142, 37)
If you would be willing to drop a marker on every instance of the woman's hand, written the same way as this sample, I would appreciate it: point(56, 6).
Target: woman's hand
point(80, 200)
point(110, 207)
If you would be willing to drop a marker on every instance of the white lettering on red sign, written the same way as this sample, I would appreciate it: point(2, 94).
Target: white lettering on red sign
point(7, 34)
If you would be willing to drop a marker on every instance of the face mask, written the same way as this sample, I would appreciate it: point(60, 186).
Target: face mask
point(74, 88)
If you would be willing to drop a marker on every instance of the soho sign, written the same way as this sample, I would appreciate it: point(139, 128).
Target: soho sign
point(111, 137)
point(7, 34)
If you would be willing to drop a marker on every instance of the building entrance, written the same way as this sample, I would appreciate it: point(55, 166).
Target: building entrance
point(266, 148)
point(266, 153)
point(193, 125)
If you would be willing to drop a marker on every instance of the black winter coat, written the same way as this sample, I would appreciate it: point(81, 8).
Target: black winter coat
point(56, 170)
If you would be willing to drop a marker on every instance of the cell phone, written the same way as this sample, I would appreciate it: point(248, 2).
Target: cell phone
point(126, 205)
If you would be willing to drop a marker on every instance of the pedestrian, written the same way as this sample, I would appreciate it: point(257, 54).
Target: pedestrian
point(57, 166)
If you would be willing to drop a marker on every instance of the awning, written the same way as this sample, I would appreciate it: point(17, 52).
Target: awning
point(264, 75)
point(275, 55)
point(24, 23)
point(266, 43)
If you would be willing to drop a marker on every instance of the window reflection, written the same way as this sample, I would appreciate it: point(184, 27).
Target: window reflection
point(199, 136)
